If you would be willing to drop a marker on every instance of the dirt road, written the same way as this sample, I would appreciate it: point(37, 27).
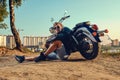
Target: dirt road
point(76, 68)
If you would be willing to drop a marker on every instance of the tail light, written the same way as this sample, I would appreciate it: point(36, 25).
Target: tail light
point(94, 33)
point(106, 31)
point(94, 27)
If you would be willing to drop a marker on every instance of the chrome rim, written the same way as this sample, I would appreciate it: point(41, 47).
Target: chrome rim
point(88, 45)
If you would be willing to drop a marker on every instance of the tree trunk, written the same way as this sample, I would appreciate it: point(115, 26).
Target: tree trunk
point(13, 28)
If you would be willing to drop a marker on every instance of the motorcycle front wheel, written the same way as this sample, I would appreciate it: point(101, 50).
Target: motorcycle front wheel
point(88, 48)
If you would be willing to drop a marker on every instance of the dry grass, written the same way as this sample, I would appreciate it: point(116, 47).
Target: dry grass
point(110, 54)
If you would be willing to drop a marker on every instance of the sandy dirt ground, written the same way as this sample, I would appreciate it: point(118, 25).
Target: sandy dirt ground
point(76, 68)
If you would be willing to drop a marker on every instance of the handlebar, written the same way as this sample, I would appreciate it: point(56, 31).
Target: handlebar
point(63, 18)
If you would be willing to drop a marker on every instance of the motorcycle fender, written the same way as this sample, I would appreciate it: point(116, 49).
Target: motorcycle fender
point(87, 33)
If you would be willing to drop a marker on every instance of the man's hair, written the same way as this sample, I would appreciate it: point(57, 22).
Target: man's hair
point(56, 23)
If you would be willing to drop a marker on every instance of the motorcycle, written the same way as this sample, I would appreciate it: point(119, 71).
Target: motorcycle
point(85, 38)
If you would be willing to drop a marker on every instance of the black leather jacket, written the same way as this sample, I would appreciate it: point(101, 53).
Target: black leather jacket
point(64, 35)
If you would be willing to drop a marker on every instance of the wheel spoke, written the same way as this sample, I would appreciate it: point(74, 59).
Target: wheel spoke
point(88, 45)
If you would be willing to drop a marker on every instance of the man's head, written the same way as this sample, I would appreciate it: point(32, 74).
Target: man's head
point(57, 26)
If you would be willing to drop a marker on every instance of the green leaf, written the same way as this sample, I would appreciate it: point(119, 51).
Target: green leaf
point(3, 26)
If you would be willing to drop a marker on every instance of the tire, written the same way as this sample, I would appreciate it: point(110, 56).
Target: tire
point(88, 48)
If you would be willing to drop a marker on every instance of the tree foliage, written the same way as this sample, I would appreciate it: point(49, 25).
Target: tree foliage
point(3, 13)
point(17, 3)
point(3, 10)
point(3, 26)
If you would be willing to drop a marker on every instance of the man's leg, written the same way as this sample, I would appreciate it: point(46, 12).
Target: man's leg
point(30, 58)
point(61, 52)
point(53, 56)
point(53, 46)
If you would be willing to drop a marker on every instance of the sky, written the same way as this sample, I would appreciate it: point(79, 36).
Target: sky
point(34, 16)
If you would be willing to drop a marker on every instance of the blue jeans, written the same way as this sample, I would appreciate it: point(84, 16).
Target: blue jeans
point(53, 56)
point(59, 54)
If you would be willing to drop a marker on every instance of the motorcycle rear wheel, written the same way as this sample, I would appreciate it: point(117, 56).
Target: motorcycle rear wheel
point(88, 48)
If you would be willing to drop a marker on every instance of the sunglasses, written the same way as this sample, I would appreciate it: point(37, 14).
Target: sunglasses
point(56, 27)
